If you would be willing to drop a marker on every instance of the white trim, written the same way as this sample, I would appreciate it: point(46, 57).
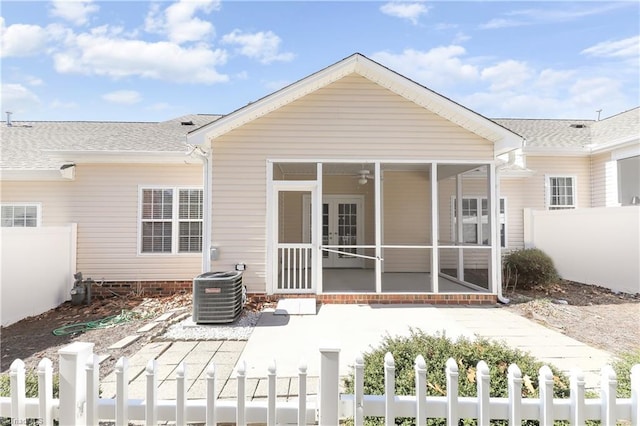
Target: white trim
point(454, 223)
point(175, 221)
point(435, 255)
point(547, 190)
point(622, 153)
point(119, 157)
point(31, 175)
point(379, 225)
point(37, 205)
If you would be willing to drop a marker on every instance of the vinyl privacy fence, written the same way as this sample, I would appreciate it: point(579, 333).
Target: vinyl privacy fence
point(80, 402)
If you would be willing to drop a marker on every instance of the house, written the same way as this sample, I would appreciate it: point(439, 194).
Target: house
point(352, 184)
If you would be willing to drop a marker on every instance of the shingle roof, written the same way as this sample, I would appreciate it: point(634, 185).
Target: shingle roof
point(581, 135)
point(31, 145)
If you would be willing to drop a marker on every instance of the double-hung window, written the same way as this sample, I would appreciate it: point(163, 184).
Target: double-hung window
point(20, 215)
point(561, 192)
point(475, 220)
point(171, 220)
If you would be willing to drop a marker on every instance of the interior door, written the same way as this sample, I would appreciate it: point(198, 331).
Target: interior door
point(342, 228)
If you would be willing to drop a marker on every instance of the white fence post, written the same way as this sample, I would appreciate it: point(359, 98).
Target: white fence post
point(18, 398)
point(271, 394)
point(151, 407)
point(329, 386)
point(45, 391)
point(302, 393)
point(358, 392)
point(389, 389)
point(122, 392)
point(608, 386)
point(72, 360)
point(545, 384)
point(211, 395)
point(515, 395)
point(241, 400)
point(577, 392)
point(93, 389)
point(421, 391)
point(635, 394)
point(482, 381)
point(181, 393)
point(451, 372)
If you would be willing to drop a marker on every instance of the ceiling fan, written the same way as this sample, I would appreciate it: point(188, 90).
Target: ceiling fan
point(363, 176)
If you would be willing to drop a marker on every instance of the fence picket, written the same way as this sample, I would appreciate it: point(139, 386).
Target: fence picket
point(122, 382)
point(389, 389)
point(271, 394)
point(358, 390)
point(451, 371)
point(151, 407)
point(482, 380)
point(45, 391)
point(241, 400)
point(577, 393)
point(211, 395)
point(635, 394)
point(181, 393)
point(17, 382)
point(93, 389)
point(545, 382)
point(302, 393)
point(421, 391)
point(608, 386)
point(515, 395)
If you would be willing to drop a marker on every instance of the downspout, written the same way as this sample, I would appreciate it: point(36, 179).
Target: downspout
point(196, 151)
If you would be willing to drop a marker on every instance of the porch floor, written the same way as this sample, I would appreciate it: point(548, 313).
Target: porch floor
point(364, 281)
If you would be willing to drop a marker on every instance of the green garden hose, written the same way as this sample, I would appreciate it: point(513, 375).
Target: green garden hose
point(111, 321)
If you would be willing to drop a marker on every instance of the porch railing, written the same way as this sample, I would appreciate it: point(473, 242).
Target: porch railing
point(294, 263)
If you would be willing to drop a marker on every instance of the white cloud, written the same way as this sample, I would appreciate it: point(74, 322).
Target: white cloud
point(74, 11)
point(159, 106)
point(101, 52)
point(263, 46)
point(17, 98)
point(58, 104)
point(625, 48)
point(276, 84)
point(593, 92)
point(506, 75)
point(127, 97)
point(405, 10)
point(550, 78)
point(437, 68)
point(501, 23)
point(179, 22)
point(21, 39)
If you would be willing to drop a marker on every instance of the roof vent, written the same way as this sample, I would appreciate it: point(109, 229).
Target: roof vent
point(9, 124)
point(187, 123)
point(578, 126)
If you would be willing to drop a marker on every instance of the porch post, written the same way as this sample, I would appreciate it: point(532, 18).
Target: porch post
point(459, 227)
point(316, 231)
point(272, 271)
point(435, 262)
point(378, 225)
point(493, 210)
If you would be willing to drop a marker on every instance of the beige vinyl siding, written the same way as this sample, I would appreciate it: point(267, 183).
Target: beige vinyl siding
point(103, 201)
point(530, 192)
point(352, 118)
point(599, 179)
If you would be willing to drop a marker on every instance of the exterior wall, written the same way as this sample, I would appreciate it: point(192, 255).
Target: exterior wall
point(36, 262)
point(597, 246)
point(103, 201)
point(530, 192)
point(349, 119)
point(599, 177)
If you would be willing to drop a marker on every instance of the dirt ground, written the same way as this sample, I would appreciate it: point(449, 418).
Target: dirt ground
point(593, 315)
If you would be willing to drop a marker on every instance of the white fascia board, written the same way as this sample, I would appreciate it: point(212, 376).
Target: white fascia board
point(31, 175)
point(621, 143)
point(556, 152)
point(120, 157)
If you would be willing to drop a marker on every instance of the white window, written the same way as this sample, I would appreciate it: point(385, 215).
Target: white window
point(475, 220)
point(171, 220)
point(20, 215)
point(561, 192)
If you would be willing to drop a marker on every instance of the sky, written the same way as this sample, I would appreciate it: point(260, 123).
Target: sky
point(154, 61)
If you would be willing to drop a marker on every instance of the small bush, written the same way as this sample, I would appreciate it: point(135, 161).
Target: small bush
point(436, 350)
point(528, 268)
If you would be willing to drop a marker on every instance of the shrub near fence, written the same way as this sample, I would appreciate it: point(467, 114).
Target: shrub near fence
point(79, 401)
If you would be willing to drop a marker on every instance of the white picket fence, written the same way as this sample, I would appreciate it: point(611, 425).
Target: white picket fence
point(80, 403)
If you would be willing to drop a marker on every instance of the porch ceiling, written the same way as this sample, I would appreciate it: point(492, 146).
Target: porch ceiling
point(352, 169)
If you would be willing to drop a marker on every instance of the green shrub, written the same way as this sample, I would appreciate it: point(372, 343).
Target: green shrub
point(622, 367)
point(436, 350)
point(528, 268)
